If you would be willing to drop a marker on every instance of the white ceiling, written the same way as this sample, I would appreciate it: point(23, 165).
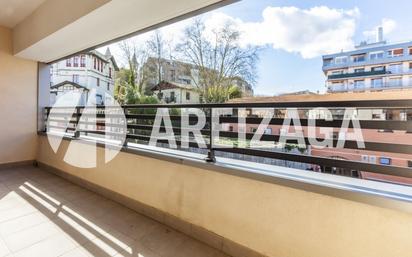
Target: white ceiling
point(112, 20)
point(14, 11)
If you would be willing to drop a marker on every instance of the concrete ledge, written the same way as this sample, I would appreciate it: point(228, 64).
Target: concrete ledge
point(386, 195)
point(214, 240)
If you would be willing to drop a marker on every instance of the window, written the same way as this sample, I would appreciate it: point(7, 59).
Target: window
point(358, 58)
point(359, 84)
point(410, 164)
point(110, 72)
point(376, 55)
point(327, 62)
point(108, 86)
point(83, 61)
point(341, 59)
point(231, 128)
point(410, 66)
point(95, 63)
point(395, 82)
point(173, 75)
point(186, 81)
point(172, 96)
point(101, 66)
point(75, 61)
point(359, 70)
point(377, 83)
point(75, 78)
point(69, 62)
point(188, 96)
point(98, 82)
point(337, 72)
point(410, 50)
point(395, 52)
point(378, 68)
point(385, 161)
point(395, 68)
point(99, 99)
point(338, 86)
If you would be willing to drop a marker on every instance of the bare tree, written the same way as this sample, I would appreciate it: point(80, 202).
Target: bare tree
point(219, 59)
point(136, 56)
point(158, 49)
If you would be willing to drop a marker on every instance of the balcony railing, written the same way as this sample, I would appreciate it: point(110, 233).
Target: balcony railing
point(357, 74)
point(376, 87)
point(140, 120)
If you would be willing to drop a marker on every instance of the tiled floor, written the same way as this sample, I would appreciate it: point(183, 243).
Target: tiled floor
point(44, 215)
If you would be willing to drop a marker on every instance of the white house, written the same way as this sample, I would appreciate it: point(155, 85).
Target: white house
point(89, 72)
point(172, 92)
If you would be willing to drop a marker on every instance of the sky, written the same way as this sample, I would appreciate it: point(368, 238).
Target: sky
point(294, 35)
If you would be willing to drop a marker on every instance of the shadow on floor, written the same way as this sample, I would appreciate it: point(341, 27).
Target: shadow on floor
point(97, 226)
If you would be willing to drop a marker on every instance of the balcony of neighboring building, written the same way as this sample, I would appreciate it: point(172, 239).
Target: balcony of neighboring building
point(372, 84)
point(390, 53)
point(358, 74)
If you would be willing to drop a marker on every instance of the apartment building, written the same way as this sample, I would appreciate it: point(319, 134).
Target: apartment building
point(92, 71)
point(370, 67)
point(179, 81)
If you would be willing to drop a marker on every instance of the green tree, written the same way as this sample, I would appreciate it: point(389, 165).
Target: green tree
point(221, 94)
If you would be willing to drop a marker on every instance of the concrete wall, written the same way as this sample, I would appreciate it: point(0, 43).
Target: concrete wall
point(18, 104)
point(274, 220)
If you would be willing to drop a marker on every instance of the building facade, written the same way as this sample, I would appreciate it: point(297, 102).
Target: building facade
point(91, 73)
point(370, 67)
point(183, 77)
point(169, 92)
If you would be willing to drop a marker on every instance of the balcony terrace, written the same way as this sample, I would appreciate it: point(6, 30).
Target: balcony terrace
point(45, 215)
point(158, 201)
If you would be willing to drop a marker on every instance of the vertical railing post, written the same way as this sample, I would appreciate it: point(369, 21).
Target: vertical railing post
point(211, 152)
point(46, 119)
point(125, 111)
point(77, 131)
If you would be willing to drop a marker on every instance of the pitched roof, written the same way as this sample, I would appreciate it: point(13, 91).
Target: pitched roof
point(164, 85)
point(105, 57)
point(76, 85)
point(405, 94)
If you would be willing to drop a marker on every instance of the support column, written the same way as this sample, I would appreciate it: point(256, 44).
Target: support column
point(43, 94)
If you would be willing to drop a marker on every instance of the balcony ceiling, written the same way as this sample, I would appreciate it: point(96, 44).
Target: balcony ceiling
point(51, 33)
point(14, 11)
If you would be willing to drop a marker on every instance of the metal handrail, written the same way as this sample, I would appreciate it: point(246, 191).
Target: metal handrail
point(275, 104)
point(135, 125)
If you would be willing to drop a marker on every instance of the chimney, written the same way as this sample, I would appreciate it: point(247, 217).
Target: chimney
point(379, 35)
